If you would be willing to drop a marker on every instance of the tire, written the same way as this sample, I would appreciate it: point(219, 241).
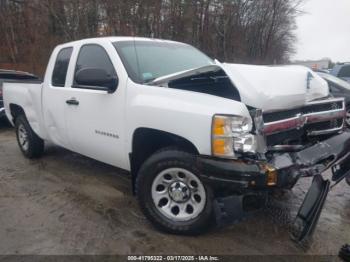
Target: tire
point(175, 163)
point(30, 144)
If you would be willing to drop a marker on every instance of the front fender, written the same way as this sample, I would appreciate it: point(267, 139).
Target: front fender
point(183, 113)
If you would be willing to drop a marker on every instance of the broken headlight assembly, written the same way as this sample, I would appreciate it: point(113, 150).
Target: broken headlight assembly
point(231, 134)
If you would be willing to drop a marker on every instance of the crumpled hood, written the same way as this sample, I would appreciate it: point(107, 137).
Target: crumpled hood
point(276, 87)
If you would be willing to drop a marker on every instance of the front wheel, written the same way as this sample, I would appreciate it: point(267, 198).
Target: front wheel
point(30, 144)
point(171, 194)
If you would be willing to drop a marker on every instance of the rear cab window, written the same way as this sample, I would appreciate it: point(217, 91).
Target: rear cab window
point(61, 66)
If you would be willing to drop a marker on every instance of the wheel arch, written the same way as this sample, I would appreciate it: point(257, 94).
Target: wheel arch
point(146, 141)
point(16, 110)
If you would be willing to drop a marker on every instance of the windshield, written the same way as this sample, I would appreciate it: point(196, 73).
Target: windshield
point(335, 80)
point(148, 60)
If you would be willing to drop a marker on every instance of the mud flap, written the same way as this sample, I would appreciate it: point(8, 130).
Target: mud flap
point(310, 210)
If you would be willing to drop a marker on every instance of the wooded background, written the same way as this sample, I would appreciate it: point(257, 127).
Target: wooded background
point(241, 31)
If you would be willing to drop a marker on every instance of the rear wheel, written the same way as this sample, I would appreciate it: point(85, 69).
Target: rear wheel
point(171, 194)
point(30, 144)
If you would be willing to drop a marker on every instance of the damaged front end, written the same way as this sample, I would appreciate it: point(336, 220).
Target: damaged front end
point(315, 134)
point(332, 154)
point(271, 149)
point(301, 142)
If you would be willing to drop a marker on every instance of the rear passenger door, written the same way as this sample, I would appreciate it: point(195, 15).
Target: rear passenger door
point(55, 94)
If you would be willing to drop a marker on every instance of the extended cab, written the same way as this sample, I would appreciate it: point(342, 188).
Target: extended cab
point(200, 138)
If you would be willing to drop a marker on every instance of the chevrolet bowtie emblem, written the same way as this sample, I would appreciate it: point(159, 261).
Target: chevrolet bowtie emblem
point(301, 120)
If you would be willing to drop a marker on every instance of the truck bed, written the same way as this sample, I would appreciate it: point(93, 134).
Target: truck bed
point(27, 95)
point(11, 76)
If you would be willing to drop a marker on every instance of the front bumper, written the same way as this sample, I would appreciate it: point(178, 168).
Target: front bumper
point(247, 176)
point(286, 168)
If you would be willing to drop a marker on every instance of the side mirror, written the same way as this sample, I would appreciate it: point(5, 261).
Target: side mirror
point(96, 78)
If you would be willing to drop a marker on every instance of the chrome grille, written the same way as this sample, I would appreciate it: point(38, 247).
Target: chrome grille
point(315, 118)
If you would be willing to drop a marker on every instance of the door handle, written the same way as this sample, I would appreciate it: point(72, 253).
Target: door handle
point(72, 101)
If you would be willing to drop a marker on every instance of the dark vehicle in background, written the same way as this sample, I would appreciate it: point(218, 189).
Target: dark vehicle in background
point(13, 76)
point(342, 71)
point(339, 88)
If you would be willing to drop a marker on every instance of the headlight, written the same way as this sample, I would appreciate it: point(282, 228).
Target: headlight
point(230, 134)
point(244, 143)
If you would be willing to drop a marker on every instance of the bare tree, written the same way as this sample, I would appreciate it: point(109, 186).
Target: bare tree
point(244, 31)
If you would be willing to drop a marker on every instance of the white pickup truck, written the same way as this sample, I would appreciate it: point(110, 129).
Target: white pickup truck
point(201, 139)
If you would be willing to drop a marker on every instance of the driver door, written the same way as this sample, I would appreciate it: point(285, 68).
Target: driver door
point(94, 117)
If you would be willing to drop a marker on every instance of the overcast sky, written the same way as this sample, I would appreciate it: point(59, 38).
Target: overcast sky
point(324, 30)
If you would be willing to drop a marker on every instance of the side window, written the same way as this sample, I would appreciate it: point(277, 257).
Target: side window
point(94, 56)
point(61, 66)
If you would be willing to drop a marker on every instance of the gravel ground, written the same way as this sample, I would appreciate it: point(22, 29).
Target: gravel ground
point(65, 203)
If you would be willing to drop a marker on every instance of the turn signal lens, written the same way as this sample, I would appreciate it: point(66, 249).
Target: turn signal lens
point(230, 134)
point(221, 126)
point(222, 143)
point(223, 146)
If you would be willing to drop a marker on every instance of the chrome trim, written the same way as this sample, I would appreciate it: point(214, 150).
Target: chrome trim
point(326, 131)
point(325, 115)
point(2, 111)
point(315, 102)
point(284, 125)
point(286, 148)
point(300, 120)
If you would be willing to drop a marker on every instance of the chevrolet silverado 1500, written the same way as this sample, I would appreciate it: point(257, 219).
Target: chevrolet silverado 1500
point(201, 139)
